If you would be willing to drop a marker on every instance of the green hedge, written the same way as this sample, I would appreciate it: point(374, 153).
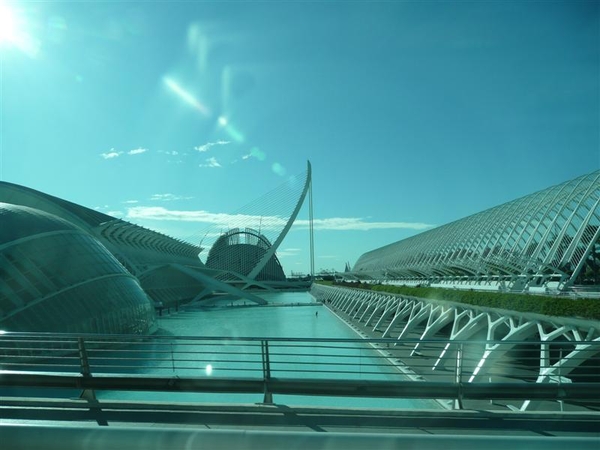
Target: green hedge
point(538, 304)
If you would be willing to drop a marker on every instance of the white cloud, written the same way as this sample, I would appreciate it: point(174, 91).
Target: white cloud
point(288, 252)
point(218, 219)
point(356, 223)
point(130, 202)
point(206, 147)
point(211, 162)
point(169, 152)
point(137, 151)
point(111, 154)
point(359, 224)
point(266, 222)
point(168, 197)
point(115, 213)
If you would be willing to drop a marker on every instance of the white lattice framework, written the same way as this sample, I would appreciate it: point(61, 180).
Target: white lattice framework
point(401, 317)
point(263, 223)
point(543, 239)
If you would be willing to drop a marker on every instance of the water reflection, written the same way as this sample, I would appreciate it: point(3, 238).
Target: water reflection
point(288, 315)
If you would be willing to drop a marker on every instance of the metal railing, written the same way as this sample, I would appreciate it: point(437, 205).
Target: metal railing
point(332, 367)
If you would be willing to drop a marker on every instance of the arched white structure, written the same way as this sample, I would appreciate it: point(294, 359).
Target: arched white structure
point(402, 317)
point(546, 240)
point(264, 223)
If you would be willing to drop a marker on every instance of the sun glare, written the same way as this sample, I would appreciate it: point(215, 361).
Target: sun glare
point(14, 31)
point(8, 25)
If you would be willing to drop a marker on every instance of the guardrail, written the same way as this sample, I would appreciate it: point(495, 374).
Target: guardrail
point(332, 367)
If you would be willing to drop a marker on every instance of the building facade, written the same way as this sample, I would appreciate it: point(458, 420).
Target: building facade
point(239, 251)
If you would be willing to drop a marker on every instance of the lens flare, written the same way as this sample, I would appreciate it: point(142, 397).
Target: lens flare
point(186, 96)
point(258, 154)
point(231, 131)
point(57, 29)
point(234, 134)
point(278, 169)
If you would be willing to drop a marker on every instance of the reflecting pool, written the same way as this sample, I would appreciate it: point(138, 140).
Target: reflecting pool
point(287, 315)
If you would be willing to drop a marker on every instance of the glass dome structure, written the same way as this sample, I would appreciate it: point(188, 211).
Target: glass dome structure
point(56, 277)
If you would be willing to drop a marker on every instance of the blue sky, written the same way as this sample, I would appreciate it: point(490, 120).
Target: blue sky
point(413, 114)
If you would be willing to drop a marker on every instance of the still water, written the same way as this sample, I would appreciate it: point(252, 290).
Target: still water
point(291, 315)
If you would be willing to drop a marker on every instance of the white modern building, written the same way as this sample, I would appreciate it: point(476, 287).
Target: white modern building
point(548, 240)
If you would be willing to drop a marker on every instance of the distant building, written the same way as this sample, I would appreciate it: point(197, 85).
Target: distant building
point(240, 251)
point(548, 240)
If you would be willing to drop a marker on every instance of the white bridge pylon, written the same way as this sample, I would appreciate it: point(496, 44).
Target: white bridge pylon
point(403, 317)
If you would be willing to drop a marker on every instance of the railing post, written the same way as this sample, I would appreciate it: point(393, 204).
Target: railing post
point(266, 365)
point(560, 360)
point(84, 363)
point(172, 358)
point(458, 376)
point(83, 358)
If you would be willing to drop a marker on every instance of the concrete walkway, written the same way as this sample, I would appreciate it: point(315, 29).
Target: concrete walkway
point(83, 413)
point(419, 366)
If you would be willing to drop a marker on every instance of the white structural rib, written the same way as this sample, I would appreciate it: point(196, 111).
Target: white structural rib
point(563, 344)
point(542, 241)
point(271, 251)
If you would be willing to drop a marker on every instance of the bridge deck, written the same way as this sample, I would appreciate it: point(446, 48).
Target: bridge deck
point(120, 414)
point(44, 364)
